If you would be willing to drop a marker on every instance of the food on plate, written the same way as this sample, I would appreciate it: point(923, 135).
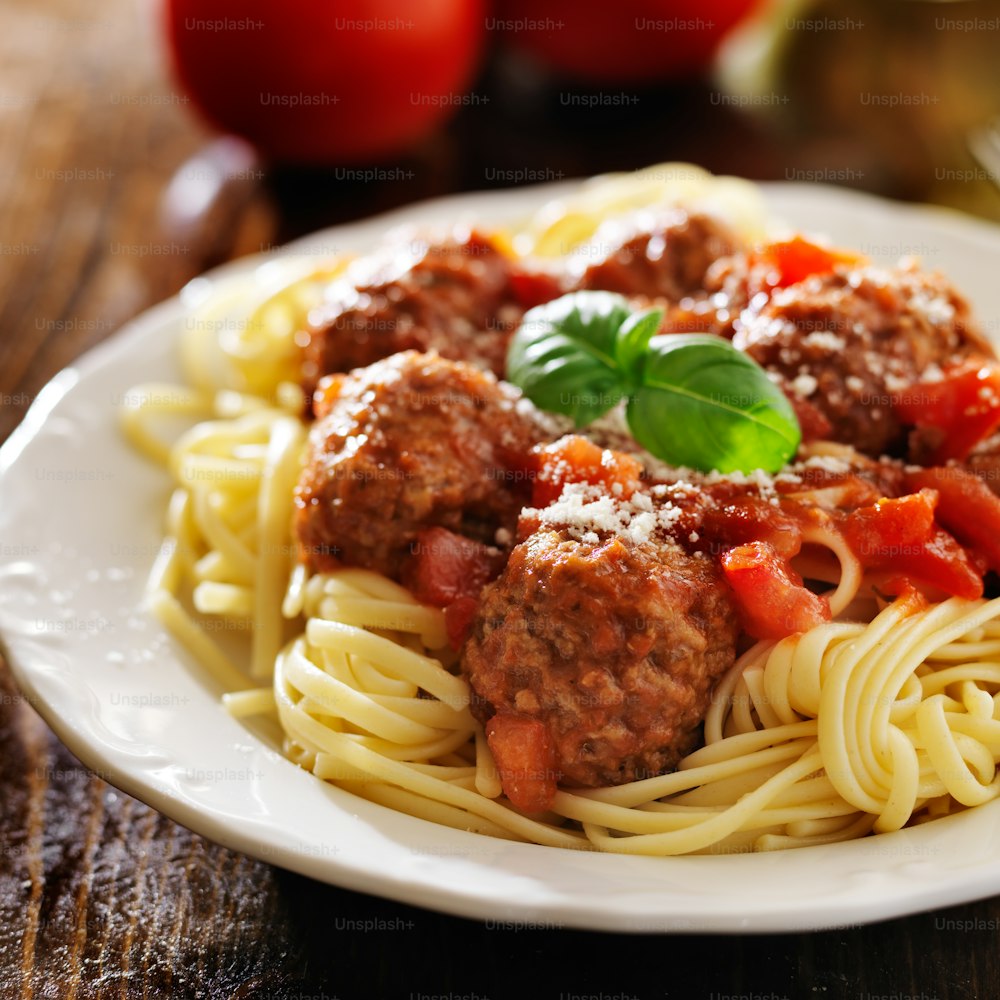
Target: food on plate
point(849, 340)
point(608, 649)
point(403, 446)
point(454, 297)
point(525, 554)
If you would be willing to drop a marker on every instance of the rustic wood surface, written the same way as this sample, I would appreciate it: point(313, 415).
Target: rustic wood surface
point(101, 896)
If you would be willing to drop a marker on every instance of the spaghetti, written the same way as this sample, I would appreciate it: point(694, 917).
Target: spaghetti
point(850, 728)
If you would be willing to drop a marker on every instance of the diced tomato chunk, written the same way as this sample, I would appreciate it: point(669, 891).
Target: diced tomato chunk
point(876, 532)
point(967, 507)
point(445, 567)
point(533, 288)
point(902, 536)
point(943, 563)
point(772, 600)
point(791, 261)
point(965, 405)
point(458, 618)
point(574, 459)
point(525, 759)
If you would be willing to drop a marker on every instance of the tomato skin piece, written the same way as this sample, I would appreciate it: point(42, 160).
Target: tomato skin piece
point(525, 759)
point(534, 288)
point(445, 567)
point(943, 563)
point(794, 260)
point(964, 405)
point(458, 619)
point(874, 531)
point(967, 507)
point(771, 598)
point(326, 81)
point(574, 459)
point(901, 535)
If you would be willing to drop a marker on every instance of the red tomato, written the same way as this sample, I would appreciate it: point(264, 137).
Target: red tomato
point(620, 40)
point(877, 531)
point(754, 519)
point(458, 619)
point(326, 81)
point(525, 760)
point(965, 404)
point(967, 507)
point(770, 595)
point(575, 459)
point(446, 567)
point(902, 536)
point(794, 260)
point(532, 287)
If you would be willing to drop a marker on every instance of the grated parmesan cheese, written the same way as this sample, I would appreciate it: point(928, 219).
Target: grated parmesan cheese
point(824, 340)
point(804, 385)
point(586, 513)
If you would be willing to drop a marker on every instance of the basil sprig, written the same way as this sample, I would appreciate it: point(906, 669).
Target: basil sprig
point(691, 399)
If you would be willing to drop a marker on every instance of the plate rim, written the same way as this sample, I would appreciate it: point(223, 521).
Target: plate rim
point(465, 902)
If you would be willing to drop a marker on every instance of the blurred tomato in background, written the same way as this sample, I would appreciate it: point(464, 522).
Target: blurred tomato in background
point(621, 41)
point(326, 81)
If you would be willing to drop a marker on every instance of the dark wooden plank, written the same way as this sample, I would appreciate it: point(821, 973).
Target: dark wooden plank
point(103, 897)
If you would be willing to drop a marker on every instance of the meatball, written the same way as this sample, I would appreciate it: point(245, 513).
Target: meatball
point(453, 297)
point(613, 645)
point(717, 308)
point(410, 443)
point(668, 260)
point(847, 341)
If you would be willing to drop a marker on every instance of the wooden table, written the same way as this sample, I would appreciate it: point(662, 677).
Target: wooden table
point(101, 896)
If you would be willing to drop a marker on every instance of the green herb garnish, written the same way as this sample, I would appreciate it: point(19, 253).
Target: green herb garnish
point(691, 399)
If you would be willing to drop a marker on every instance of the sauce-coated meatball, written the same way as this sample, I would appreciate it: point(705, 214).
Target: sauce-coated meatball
point(453, 297)
point(409, 443)
point(613, 645)
point(846, 342)
point(666, 260)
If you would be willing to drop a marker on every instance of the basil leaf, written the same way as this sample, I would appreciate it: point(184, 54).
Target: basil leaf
point(704, 405)
point(633, 339)
point(693, 400)
point(563, 355)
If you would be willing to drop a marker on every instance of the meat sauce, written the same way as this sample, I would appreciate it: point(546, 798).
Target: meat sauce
point(592, 646)
point(939, 526)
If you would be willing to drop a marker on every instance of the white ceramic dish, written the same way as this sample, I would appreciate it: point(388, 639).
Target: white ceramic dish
point(80, 522)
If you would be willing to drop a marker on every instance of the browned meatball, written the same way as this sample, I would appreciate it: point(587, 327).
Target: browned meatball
point(846, 342)
point(717, 308)
point(453, 297)
point(667, 261)
point(613, 645)
point(409, 443)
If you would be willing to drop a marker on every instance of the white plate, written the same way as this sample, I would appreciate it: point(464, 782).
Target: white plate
point(80, 522)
